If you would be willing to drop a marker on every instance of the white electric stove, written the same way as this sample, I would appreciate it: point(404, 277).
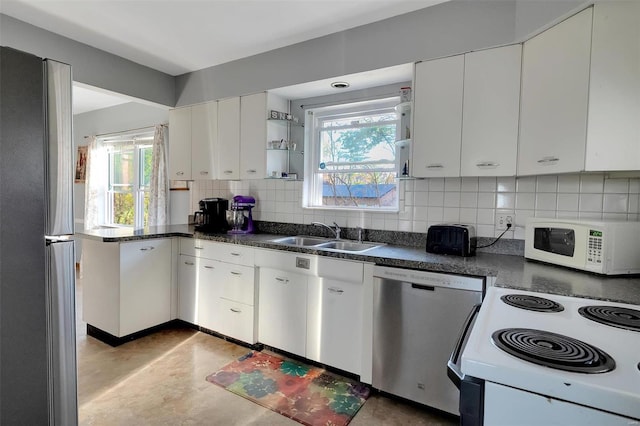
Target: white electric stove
point(591, 376)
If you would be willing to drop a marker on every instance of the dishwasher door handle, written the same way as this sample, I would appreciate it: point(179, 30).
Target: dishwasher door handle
point(454, 370)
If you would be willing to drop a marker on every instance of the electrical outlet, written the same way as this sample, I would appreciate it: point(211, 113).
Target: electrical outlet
point(502, 220)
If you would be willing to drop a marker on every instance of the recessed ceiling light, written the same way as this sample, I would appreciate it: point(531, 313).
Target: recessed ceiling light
point(339, 84)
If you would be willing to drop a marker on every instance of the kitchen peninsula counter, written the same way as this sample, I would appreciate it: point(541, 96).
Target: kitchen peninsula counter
point(508, 270)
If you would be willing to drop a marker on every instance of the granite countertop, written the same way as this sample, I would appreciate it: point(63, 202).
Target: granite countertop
point(509, 271)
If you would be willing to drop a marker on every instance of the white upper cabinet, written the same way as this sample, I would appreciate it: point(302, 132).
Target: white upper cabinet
point(253, 136)
point(192, 141)
point(613, 137)
point(490, 111)
point(437, 128)
point(204, 129)
point(180, 144)
point(228, 150)
point(555, 92)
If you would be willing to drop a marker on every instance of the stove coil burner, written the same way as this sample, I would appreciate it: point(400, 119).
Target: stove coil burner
point(628, 319)
point(532, 303)
point(553, 350)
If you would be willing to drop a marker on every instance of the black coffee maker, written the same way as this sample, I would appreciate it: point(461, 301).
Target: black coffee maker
point(212, 215)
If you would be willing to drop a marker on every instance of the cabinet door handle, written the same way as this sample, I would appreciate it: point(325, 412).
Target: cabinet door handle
point(147, 248)
point(180, 173)
point(237, 311)
point(204, 173)
point(336, 290)
point(487, 165)
point(236, 273)
point(189, 263)
point(251, 171)
point(208, 267)
point(198, 248)
point(547, 161)
point(282, 280)
point(435, 166)
point(228, 172)
point(235, 254)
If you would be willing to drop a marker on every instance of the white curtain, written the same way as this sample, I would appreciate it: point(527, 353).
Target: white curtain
point(159, 191)
point(95, 184)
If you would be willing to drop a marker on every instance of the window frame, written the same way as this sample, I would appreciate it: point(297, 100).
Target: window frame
point(313, 183)
point(137, 144)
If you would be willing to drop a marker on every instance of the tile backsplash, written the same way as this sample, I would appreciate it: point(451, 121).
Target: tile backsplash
point(474, 201)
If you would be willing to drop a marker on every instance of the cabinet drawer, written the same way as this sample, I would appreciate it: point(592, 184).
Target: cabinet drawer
point(187, 246)
point(237, 283)
point(342, 270)
point(230, 253)
point(237, 320)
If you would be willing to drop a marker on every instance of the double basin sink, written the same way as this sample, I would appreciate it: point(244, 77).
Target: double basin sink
point(326, 244)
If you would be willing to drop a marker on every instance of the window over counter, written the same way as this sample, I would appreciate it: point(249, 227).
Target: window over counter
point(129, 178)
point(352, 156)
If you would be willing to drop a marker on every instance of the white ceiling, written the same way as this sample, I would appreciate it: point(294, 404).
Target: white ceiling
point(180, 36)
point(86, 98)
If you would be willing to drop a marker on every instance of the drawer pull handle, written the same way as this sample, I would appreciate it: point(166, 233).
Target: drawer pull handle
point(236, 273)
point(282, 280)
point(189, 263)
point(228, 172)
point(336, 290)
point(487, 165)
point(208, 267)
point(147, 248)
point(251, 171)
point(548, 161)
point(199, 248)
point(235, 254)
point(204, 173)
point(435, 166)
point(180, 173)
point(237, 311)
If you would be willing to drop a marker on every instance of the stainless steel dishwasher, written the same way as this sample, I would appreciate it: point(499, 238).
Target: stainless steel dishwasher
point(417, 317)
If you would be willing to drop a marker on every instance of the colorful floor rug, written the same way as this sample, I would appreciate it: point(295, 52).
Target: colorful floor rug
point(308, 395)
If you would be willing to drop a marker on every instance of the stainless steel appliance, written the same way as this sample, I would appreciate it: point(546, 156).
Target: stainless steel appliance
point(239, 217)
point(534, 358)
point(37, 307)
point(602, 247)
point(417, 318)
point(211, 216)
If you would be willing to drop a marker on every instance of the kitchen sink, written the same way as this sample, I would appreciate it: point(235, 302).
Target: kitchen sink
point(326, 244)
point(348, 246)
point(301, 240)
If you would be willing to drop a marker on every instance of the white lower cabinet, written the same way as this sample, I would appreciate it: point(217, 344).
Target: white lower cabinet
point(208, 292)
point(187, 289)
point(130, 285)
point(282, 311)
point(312, 306)
point(216, 287)
point(334, 323)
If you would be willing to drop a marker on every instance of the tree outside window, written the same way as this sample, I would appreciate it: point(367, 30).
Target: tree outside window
point(353, 156)
point(128, 183)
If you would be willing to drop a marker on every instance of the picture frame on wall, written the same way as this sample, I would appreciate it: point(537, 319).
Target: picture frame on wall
point(81, 165)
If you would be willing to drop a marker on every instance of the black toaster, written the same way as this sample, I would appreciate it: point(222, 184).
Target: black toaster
point(456, 239)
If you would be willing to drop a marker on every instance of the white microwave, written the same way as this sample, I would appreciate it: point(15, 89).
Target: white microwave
point(602, 247)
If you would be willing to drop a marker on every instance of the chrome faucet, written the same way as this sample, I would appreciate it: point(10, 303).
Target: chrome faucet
point(336, 231)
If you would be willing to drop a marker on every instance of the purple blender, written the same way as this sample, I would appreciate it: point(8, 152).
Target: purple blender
point(240, 222)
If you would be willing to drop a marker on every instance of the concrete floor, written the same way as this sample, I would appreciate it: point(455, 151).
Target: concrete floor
point(160, 380)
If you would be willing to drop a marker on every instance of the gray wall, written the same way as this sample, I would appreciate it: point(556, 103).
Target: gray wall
point(90, 65)
point(445, 29)
point(442, 30)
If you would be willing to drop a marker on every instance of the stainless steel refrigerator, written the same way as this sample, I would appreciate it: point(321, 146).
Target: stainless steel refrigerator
point(38, 379)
